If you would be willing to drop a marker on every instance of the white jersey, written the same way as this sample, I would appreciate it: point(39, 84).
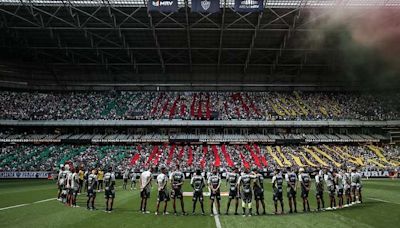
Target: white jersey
point(162, 180)
point(69, 179)
point(126, 174)
point(145, 178)
point(329, 180)
point(133, 177)
point(346, 181)
point(355, 179)
point(339, 181)
point(109, 178)
point(75, 181)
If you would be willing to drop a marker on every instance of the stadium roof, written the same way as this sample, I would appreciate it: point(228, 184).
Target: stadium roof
point(121, 36)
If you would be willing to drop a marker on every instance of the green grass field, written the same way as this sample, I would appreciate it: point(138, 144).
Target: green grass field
point(381, 208)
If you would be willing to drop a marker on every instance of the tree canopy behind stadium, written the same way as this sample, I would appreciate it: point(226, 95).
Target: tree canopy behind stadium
point(118, 41)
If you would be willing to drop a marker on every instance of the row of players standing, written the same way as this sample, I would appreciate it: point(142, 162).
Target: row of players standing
point(248, 184)
point(241, 186)
point(70, 183)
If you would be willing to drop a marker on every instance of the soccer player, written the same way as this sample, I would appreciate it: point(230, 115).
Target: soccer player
point(277, 186)
point(81, 179)
point(319, 190)
point(305, 183)
point(330, 184)
point(198, 182)
point(245, 182)
point(162, 180)
point(214, 183)
point(86, 179)
point(68, 184)
point(91, 190)
point(109, 193)
point(133, 180)
point(339, 186)
point(232, 180)
point(145, 186)
point(291, 180)
point(259, 190)
point(355, 185)
point(177, 178)
point(347, 188)
point(100, 177)
point(75, 186)
point(125, 176)
point(60, 183)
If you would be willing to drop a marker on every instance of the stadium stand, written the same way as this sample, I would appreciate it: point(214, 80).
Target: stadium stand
point(28, 157)
point(198, 106)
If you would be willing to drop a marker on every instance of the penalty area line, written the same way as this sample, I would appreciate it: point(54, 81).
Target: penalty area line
point(216, 216)
point(26, 204)
point(383, 201)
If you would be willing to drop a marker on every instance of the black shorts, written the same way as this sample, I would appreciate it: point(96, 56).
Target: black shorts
point(75, 192)
point(319, 194)
point(304, 193)
point(176, 193)
point(233, 193)
point(61, 187)
point(340, 192)
point(125, 180)
point(331, 190)
point(258, 194)
point(163, 196)
point(145, 193)
point(277, 196)
point(198, 195)
point(80, 182)
point(100, 182)
point(291, 193)
point(91, 193)
point(109, 194)
point(215, 195)
point(246, 196)
point(347, 191)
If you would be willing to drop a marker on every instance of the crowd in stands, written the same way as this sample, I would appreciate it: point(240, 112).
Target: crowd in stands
point(116, 105)
point(137, 157)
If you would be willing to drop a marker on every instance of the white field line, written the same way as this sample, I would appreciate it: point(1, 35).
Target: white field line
point(26, 204)
point(216, 216)
point(15, 206)
point(381, 200)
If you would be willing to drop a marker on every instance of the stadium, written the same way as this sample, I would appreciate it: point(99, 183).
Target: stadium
point(199, 113)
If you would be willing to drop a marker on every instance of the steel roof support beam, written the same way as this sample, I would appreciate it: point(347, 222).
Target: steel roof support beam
point(204, 17)
point(221, 36)
point(253, 40)
point(178, 48)
point(153, 29)
point(296, 65)
point(279, 17)
point(287, 37)
point(189, 47)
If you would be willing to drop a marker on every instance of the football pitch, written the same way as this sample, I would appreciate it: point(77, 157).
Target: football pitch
point(31, 203)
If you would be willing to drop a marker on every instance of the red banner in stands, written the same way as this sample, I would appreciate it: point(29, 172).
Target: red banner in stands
point(180, 155)
point(244, 162)
point(253, 155)
point(171, 154)
point(192, 105)
point(190, 159)
point(217, 161)
point(135, 158)
point(226, 155)
point(208, 112)
point(153, 153)
point(199, 110)
point(203, 160)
